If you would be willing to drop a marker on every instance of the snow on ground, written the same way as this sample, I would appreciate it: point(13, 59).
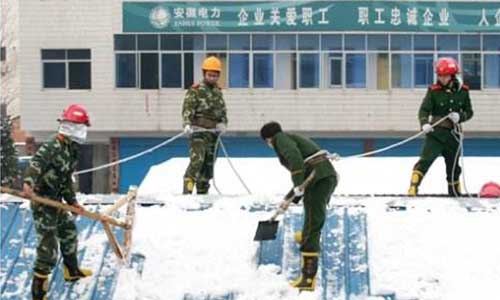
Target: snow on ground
point(434, 250)
point(374, 175)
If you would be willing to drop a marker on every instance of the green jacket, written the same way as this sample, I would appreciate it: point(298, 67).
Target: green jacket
point(50, 170)
point(442, 100)
point(292, 150)
point(203, 101)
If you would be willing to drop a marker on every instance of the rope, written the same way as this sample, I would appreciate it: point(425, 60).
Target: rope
point(335, 156)
point(459, 155)
point(137, 155)
point(234, 169)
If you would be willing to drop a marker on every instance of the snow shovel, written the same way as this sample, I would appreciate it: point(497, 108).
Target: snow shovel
point(266, 230)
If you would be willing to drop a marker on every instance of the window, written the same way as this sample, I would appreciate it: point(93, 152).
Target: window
point(355, 42)
point(401, 71)
point(263, 70)
point(335, 70)
point(423, 42)
point(491, 42)
point(149, 70)
point(66, 68)
point(401, 42)
point(3, 53)
point(262, 42)
point(308, 41)
point(309, 70)
point(356, 70)
point(331, 42)
point(378, 71)
point(170, 42)
point(125, 42)
point(286, 42)
point(286, 68)
point(193, 42)
point(216, 42)
point(424, 73)
point(125, 70)
point(171, 71)
point(471, 70)
point(147, 42)
point(239, 42)
point(238, 70)
point(492, 71)
point(378, 42)
point(447, 42)
point(470, 42)
point(283, 61)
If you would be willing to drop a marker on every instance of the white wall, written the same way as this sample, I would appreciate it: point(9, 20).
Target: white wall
point(92, 24)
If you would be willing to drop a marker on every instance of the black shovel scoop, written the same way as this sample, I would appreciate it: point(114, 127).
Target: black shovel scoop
point(266, 230)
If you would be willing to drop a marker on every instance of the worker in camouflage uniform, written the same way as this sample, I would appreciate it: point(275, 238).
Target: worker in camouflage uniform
point(49, 174)
point(204, 119)
point(301, 156)
point(448, 97)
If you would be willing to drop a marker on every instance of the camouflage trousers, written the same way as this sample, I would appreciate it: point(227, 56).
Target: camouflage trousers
point(202, 158)
point(55, 229)
point(316, 198)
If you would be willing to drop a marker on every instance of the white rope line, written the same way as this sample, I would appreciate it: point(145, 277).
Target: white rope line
point(411, 138)
point(232, 167)
point(129, 158)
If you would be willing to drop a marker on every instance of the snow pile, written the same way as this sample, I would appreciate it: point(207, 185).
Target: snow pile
point(374, 175)
point(434, 250)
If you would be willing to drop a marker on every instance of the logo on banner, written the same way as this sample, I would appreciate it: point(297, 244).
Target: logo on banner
point(159, 17)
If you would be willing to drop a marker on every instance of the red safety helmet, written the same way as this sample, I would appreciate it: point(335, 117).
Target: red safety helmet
point(447, 66)
point(75, 113)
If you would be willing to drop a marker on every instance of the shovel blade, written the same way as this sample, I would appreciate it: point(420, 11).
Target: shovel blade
point(266, 230)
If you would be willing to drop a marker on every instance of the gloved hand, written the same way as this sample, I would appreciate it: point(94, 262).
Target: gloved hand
point(188, 129)
point(334, 156)
point(220, 127)
point(454, 117)
point(427, 128)
point(296, 193)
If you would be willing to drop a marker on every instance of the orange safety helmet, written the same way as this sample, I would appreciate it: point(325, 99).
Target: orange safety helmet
point(447, 66)
point(211, 63)
point(76, 114)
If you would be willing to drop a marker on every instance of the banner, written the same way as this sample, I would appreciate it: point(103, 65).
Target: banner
point(310, 16)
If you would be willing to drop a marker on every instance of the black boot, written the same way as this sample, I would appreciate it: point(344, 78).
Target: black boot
point(416, 179)
point(188, 186)
point(202, 187)
point(71, 270)
point(307, 281)
point(40, 286)
point(454, 189)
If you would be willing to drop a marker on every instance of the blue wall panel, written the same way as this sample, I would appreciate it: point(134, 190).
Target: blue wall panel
point(132, 172)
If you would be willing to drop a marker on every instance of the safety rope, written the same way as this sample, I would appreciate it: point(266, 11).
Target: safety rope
point(335, 156)
point(459, 155)
point(232, 167)
point(129, 158)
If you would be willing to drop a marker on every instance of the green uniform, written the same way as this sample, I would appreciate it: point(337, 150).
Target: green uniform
point(49, 175)
point(203, 107)
point(438, 103)
point(292, 150)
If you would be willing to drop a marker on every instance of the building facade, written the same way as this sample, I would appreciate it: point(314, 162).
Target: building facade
point(328, 68)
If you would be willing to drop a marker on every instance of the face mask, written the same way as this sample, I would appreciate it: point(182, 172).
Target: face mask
point(76, 132)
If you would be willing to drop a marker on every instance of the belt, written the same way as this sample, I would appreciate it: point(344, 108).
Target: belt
point(446, 123)
point(316, 160)
point(205, 123)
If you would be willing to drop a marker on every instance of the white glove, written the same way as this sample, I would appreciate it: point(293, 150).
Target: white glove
point(221, 127)
point(188, 129)
point(454, 117)
point(297, 192)
point(334, 156)
point(427, 128)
